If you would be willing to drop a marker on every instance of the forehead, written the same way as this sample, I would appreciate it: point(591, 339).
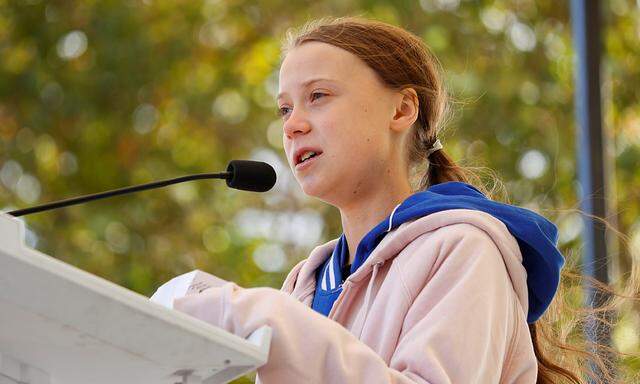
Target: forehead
point(314, 60)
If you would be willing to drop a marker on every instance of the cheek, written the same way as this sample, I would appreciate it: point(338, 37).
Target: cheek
point(352, 130)
point(348, 121)
point(287, 150)
point(366, 130)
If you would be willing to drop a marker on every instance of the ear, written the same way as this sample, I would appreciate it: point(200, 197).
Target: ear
point(406, 110)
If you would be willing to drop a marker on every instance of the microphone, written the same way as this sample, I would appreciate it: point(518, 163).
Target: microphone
point(246, 175)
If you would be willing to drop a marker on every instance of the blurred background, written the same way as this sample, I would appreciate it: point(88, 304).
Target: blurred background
point(96, 95)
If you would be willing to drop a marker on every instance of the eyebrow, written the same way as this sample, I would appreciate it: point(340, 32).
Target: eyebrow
point(307, 83)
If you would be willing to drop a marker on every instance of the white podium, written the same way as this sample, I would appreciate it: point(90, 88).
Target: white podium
point(62, 325)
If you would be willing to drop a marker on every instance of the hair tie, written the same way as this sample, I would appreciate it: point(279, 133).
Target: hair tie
point(437, 145)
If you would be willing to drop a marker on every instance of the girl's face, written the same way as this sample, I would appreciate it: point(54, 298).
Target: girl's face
point(332, 103)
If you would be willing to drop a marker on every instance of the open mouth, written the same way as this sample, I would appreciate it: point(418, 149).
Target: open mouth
point(307, 158)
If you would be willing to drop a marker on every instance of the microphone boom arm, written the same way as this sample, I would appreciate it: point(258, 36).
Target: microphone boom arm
point(116, 192)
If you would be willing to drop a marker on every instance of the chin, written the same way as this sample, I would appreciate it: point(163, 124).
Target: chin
point(314, 186)
point(322, 190)
point(311, 188)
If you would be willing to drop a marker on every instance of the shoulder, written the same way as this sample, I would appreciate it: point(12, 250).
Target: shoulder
point(452, 251)
point(292, 276)
point(444, 231)
point(302, 275)
point(440, 241)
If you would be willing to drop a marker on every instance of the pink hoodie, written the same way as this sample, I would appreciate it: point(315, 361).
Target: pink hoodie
point(442, 299)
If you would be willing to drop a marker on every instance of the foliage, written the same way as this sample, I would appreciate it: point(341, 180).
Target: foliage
point(96, 95)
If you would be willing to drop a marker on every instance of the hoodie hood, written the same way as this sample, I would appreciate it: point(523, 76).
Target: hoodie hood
point(536, 237)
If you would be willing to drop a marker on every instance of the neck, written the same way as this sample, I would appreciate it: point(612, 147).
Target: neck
point(365, 213)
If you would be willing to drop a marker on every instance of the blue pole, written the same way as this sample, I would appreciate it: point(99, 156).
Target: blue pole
point(585, 18)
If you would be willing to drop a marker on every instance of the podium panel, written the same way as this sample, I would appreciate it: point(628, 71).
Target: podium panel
point(62, 325)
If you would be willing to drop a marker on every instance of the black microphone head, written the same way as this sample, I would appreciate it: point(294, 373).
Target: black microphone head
point(249, 175)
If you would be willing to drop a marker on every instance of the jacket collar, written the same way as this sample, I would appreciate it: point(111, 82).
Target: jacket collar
point(301, 282)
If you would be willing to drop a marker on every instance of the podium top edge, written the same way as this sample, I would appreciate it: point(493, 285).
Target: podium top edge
point(12, 232)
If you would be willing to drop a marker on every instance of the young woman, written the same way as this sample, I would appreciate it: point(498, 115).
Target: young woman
point(431, 281)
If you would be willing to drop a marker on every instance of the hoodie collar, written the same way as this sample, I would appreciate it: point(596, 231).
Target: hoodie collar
point(536, 238)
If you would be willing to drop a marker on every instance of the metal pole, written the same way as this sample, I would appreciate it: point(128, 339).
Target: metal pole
point(585, 17)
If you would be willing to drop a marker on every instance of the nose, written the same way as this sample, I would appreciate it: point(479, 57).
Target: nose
point(297, 123)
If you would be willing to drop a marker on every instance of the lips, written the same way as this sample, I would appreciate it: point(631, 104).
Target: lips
point(307, 163)
point(298, 154)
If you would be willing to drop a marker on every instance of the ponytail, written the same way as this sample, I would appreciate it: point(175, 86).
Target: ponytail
point(440, 169)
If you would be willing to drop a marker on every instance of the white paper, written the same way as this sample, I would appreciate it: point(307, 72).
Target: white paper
point(186, 284)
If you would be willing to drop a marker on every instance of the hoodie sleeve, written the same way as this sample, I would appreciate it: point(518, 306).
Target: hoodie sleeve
point(455, 331)
point(306, 347)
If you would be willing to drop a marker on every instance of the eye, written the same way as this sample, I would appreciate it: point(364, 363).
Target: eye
point(283, 111)
point(317, 93)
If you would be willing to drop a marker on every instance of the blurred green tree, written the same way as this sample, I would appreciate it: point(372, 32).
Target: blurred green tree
point(98, 95)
